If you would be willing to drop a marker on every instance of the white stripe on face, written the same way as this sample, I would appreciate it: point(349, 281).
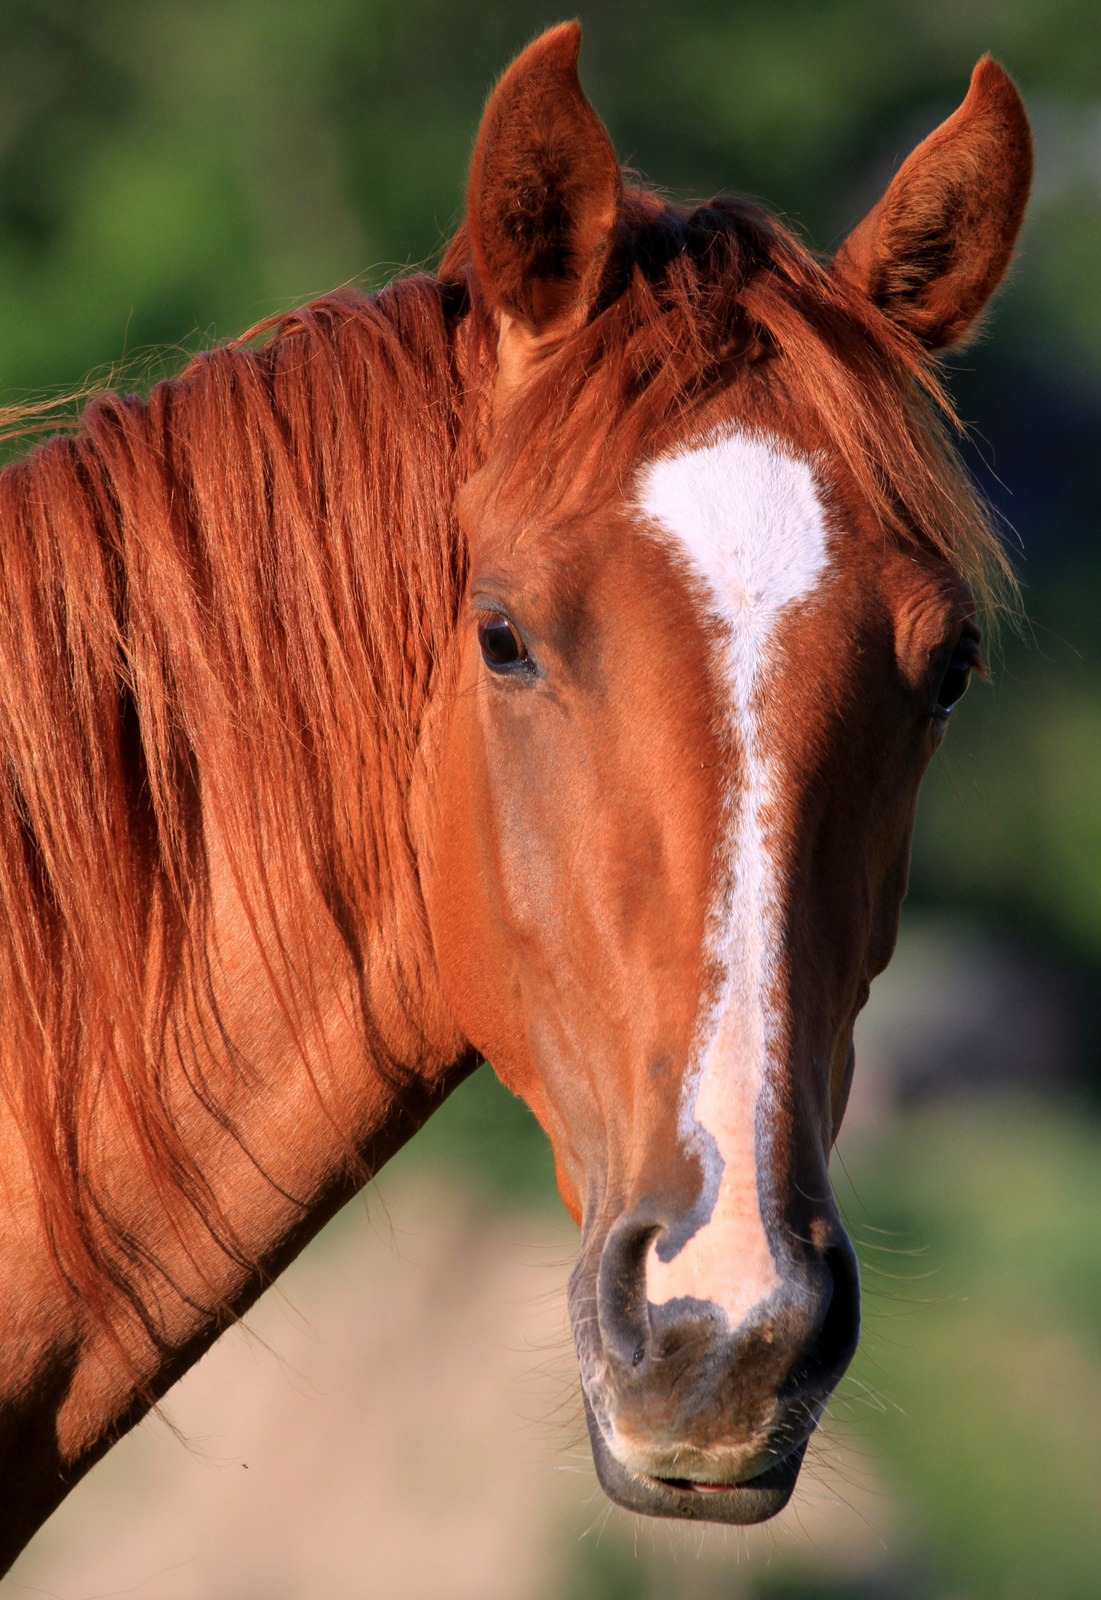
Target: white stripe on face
point(746, 520)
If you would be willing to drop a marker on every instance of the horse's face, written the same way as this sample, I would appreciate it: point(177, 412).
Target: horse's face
point(677, 771)
point(676, 800)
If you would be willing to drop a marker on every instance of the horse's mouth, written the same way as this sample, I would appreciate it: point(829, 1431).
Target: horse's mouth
point(754, 1500)
point(699, 1488)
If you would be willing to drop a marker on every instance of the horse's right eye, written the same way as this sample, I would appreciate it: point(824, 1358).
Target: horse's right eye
point(502, 646)
point(953, 685)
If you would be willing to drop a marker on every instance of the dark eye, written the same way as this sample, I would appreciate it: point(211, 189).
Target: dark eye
point(502, 646)
point(955, 680)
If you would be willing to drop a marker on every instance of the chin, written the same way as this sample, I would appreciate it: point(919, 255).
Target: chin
point(755, 1499)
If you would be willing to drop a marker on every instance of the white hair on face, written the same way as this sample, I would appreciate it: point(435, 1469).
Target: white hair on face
point(744, 516)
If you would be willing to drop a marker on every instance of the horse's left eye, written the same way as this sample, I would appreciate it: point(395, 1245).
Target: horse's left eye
point(955, 680)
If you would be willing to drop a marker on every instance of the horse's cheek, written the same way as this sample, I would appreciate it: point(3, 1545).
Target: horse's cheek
point(477, 965)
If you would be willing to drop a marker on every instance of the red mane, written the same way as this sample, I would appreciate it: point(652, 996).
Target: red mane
point(242, 583)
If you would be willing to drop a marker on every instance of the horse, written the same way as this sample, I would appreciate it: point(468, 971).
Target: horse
point(534, 662)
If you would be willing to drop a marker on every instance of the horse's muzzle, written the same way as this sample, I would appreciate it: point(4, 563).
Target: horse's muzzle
point(689, 1417)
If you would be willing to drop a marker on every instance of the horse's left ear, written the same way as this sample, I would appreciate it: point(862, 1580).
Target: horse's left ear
point(935, 248)
point(543, 202)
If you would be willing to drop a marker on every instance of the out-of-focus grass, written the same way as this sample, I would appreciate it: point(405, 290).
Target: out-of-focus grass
point(980, 1230)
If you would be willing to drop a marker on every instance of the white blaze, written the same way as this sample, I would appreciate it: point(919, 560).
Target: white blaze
point(746, 519)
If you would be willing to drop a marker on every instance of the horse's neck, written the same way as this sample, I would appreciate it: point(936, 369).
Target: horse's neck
point(295, 1068)
point(71, 1383)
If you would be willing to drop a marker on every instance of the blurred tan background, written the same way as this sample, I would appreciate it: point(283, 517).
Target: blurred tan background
point(402, 1419)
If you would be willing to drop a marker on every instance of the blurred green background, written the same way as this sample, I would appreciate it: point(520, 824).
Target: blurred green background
point(170, 172)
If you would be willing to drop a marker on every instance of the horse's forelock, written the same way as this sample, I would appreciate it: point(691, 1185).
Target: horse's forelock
point(700, 299)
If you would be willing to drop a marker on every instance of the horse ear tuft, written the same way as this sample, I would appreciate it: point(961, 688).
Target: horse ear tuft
point(937, 245)
point(545, 189)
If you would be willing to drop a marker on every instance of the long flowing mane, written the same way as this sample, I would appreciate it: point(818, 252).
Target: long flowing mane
point(235, 589)
point(232, 597)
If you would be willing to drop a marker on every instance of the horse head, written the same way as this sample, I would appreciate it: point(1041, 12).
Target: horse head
point(721, 601)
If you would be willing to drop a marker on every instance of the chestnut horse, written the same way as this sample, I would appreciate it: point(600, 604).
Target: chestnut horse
point(535, 662)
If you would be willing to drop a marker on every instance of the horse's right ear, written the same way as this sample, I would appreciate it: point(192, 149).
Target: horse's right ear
point(935, 248)
point(543, 202)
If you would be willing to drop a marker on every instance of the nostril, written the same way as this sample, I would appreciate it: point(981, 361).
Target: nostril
point(621, 1290)
point(834, 1343)
point(840, 1330)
